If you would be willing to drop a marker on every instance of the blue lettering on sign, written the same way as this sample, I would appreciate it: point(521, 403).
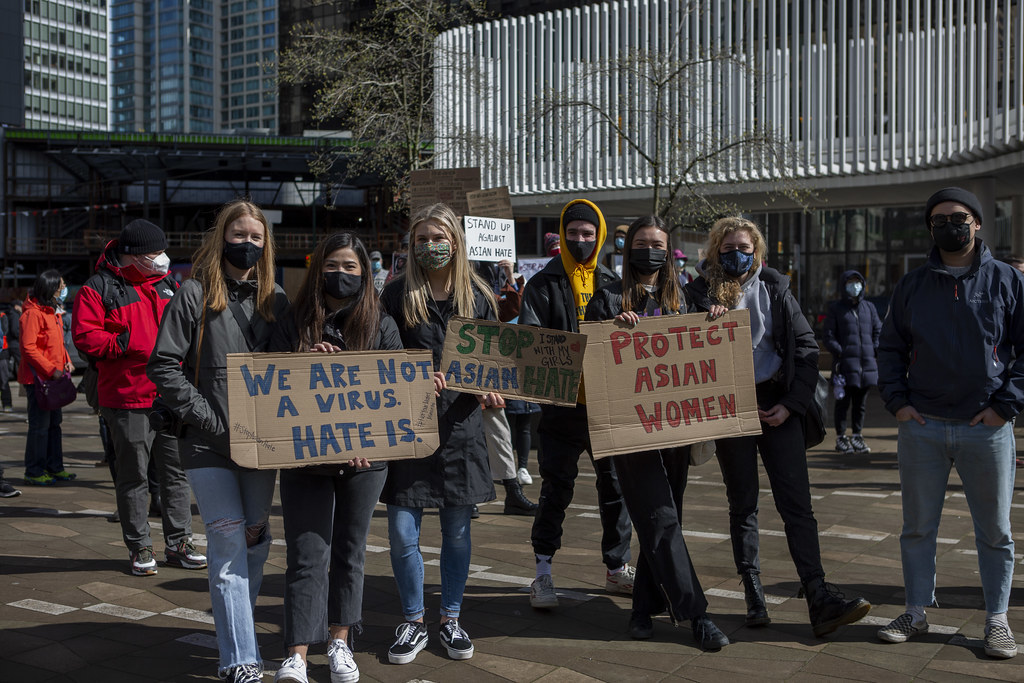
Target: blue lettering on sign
point(286, 406)
point(301, 444)
point(258, 383)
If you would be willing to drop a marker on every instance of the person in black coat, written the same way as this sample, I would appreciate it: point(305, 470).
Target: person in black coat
point(327, 509)
point(785, 372)
point(653, 481)
point(852, 327)
point(438, 283)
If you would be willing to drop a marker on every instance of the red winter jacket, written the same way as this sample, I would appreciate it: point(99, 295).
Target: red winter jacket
point(115, 324)
point(42, 342)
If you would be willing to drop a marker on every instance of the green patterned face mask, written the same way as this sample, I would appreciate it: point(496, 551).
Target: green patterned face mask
point(433, 255)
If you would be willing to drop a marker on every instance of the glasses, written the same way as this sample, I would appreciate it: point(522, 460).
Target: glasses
point(959, 218)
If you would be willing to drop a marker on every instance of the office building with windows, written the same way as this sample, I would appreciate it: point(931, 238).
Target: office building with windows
point(65, 64)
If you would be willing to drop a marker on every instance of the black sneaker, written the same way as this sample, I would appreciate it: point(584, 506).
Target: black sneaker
point(641, 627)
point(244, 673)
point(410, 638)
point(455, 640)
point(708, 636)
point(8, 491)
point(858, 445)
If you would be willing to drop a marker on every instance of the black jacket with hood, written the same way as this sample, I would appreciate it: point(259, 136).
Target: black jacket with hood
point(851, 332)
point(794, 339)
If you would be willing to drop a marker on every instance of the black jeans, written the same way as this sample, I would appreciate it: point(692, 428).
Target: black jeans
point(652, 484)
point(785, 461)
point(521, 425)
point(563, 436)
point(856, 397)
point(326, 521)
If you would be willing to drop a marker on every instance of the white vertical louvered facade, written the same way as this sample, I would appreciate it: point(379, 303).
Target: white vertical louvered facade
point(855, 87)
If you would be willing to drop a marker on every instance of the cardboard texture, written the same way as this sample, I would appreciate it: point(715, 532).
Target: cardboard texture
point(490, 239)
point(297, 409)
point(516, 361)
point(669, 381)
point(448, 185)
point(493, 203)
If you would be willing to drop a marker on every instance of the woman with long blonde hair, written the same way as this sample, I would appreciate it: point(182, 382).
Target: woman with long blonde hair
point(438, 283)
point(734, 276)
point(231, 305)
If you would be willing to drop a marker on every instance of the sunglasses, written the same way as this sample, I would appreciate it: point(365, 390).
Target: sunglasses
point(959, 218)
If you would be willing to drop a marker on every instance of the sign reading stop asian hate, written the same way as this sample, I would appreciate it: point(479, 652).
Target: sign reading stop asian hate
point(297, 409)
point(669, 381)
point(516, 361)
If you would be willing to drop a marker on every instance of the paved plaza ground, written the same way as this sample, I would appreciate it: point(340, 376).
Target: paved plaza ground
point(70, 610)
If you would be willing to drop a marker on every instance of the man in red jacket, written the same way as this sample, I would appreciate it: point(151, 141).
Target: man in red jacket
point(117, 314)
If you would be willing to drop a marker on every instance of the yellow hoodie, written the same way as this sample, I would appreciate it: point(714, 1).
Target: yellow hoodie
point(581, 275)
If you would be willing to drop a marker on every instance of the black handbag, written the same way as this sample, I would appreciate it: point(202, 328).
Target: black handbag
point(53, 394)
point(814, 416)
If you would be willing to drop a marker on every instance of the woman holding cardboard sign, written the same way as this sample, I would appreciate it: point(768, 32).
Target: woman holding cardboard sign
point(231, 305)
point(785, 372)
point(327, 508)
point(438, 283)
point(653, 481)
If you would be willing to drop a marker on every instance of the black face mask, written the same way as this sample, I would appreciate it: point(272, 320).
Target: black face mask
point(950, 237)
point(242, 256)
point(580, 250)
point(342, 285)
point(647, 261)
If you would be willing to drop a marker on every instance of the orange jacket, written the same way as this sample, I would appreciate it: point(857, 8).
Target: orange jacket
point(42, 342)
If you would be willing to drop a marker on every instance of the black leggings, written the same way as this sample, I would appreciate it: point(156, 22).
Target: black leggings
point(858, 397)
point(521, 425)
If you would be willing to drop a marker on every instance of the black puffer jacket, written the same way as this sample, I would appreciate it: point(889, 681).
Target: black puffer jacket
point(607, 303)
point(851, 334)
point(548, 300)
point(172, 366)
point(794, 339)
point(458, 473)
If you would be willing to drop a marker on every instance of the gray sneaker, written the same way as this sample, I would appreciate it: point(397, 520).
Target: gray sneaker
point(901, 629)
point(999, 642)
point(542, 593)
point(858, 445)
point(8, 491)
point(843, 445)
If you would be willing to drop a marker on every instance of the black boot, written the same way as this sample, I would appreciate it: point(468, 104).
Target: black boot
point(516, 503)
point(757, 611)
point(829, 608)
point(708, 636)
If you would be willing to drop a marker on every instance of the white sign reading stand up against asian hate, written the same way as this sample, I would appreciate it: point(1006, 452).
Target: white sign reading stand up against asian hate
point(490, 239)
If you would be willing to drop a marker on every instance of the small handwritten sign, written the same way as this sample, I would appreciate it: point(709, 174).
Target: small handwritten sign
point(490, 239)
point(516, 361)
point(296, 409)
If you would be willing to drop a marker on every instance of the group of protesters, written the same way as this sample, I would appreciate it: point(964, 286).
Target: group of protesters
point(955, 395)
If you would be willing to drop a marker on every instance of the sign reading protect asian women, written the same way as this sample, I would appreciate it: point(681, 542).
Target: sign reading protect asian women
point(298, 409)
point(516, 361)
point(669, 381)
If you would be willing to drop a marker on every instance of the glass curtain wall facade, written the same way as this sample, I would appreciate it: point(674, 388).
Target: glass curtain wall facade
point(65, 64)
point(248, 53)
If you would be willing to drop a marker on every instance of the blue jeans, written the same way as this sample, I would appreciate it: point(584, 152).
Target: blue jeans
point(984, 459)
point(407, 561)
point(235, 506)
point(44, 449)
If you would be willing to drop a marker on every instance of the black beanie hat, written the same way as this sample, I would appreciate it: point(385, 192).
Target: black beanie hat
point(581, 211)
point(141, 237)
point(953, 194)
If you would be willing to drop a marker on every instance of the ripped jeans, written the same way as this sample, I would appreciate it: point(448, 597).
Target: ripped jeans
point(235, 507)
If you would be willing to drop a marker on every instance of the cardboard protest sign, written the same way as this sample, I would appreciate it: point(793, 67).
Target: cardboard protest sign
point(448, 185)
point(490, 239)
point(493, 203)
point(516, 361)
point(295, 409)
point(669, 381)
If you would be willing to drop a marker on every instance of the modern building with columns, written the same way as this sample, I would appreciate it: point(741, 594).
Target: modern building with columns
point(879, 102)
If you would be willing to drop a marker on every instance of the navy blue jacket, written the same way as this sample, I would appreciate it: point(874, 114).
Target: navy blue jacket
point(951, 347)
point(852, 327)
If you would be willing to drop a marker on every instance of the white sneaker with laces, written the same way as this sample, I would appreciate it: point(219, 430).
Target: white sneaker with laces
point(524, 477)
point(542, 593)
point(621, 581)
point(293, 670)
point(343, 664)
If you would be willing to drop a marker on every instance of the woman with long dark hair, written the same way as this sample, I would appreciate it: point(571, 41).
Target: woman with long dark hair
point(327, 509)
point(653, 481)
point(785, 372)
point(231, 305)
point(44, 355)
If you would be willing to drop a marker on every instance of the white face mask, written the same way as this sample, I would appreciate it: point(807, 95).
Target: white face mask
point(161, 264)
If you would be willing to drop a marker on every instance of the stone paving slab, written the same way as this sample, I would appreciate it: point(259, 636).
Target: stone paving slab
point(70, 610)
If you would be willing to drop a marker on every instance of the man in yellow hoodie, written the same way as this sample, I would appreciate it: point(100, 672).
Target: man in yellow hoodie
point(556, 298)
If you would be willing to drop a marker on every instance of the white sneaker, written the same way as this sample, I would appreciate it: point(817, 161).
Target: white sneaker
point(343, 664)
point(621, 581)
point(542, 593)
point(293, 670)
point(524, 477)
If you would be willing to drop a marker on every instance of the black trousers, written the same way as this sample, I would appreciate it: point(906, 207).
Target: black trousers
point(857, 397)
point(785, 461)
point(563, 436)
point(652, 484)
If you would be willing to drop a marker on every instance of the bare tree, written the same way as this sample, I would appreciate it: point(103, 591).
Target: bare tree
point(378, 80)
